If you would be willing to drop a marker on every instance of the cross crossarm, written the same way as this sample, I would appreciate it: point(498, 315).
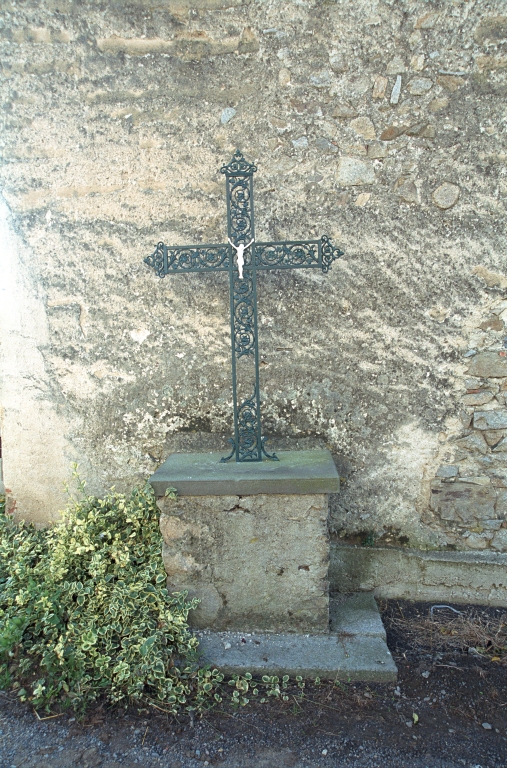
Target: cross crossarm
point(297, 254)
point(189, 258)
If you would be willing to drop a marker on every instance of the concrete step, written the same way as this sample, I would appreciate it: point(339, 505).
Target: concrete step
point(354, 649)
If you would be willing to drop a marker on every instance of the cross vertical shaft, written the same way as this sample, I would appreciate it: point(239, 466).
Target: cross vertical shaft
point(247, 444)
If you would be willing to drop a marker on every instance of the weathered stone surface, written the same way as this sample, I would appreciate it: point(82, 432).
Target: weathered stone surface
point(227, 115)
point(462, 502)
point(419, 86)
point(395, 93)
point(501, 505)
point(478, 398)
point(488, 365)
point(407, 191)
point(450, 82)
point(494, 436)
point(396, 66)
point(325, 145)
point(192, 46)
point(446, 195)
point(474, 443)
point(475, 479)
point(364, 127)
point(417, 62)
point(427, 20)
point(429, 132)
point(256, 562)
point(417, 129)
point(344, 110)
point(284, 76)
point(338, 63)
point(355, 614)
point(490, 419)
point(438, 104)
point(464, 577)
point(392, 132)
point(322, 79)
point(499, 479)
point(379, 87)
point(492, 279)
point(354, 172)
point(376, 150)
point(301, 143)
point(492, 29)
point(355, 649)
point(499, 541)
point(447, 470)
point(491, 62)
point(493, 323)
point(350, 658)
point(477, 541)
point(363, 198)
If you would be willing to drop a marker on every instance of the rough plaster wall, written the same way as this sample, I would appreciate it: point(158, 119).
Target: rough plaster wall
point(381, 124)
point(38, 456)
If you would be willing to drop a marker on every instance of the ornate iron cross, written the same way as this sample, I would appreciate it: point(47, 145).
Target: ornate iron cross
point(242, 258)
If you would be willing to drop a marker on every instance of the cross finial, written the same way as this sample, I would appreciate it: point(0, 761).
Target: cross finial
point(238, 166)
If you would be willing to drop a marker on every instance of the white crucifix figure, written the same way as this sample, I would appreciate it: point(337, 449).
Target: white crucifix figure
point(240, 249)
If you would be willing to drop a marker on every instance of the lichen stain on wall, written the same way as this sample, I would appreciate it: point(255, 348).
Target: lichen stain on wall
point(381, 126)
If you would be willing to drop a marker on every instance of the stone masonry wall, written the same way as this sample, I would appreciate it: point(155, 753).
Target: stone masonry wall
point(468, 499)
point(380, 123)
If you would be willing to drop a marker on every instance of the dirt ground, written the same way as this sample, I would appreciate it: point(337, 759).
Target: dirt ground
point(449, 708)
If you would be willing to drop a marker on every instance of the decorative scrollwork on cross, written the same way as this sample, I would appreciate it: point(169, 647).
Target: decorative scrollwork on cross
point(248, 435)
point(240, 209)
point(244, 316)
point(329, 253)
point(238, 165)
point(156, 260)
point(272, 255)
point(188, 258)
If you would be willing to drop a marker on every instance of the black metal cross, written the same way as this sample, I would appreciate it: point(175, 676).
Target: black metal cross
point(248, 442)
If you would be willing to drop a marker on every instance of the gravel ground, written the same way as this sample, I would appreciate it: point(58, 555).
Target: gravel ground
point(453, 695)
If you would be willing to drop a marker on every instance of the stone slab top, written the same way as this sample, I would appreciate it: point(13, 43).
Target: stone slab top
point(202, 474)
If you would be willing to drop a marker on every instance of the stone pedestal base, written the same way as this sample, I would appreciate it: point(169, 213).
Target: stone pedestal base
point(354, 649)
point(249, 540)
point(255, 562)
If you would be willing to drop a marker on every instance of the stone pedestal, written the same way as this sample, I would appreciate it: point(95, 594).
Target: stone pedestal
point(250, 540)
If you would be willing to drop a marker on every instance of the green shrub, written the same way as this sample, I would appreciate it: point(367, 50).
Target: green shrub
point(84, 611)
point(84, 614)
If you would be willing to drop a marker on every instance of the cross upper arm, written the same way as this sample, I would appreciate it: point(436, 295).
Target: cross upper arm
point(189, 258)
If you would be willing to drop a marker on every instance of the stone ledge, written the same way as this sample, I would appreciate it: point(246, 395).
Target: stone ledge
point(202, 474)
point(407, 574)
